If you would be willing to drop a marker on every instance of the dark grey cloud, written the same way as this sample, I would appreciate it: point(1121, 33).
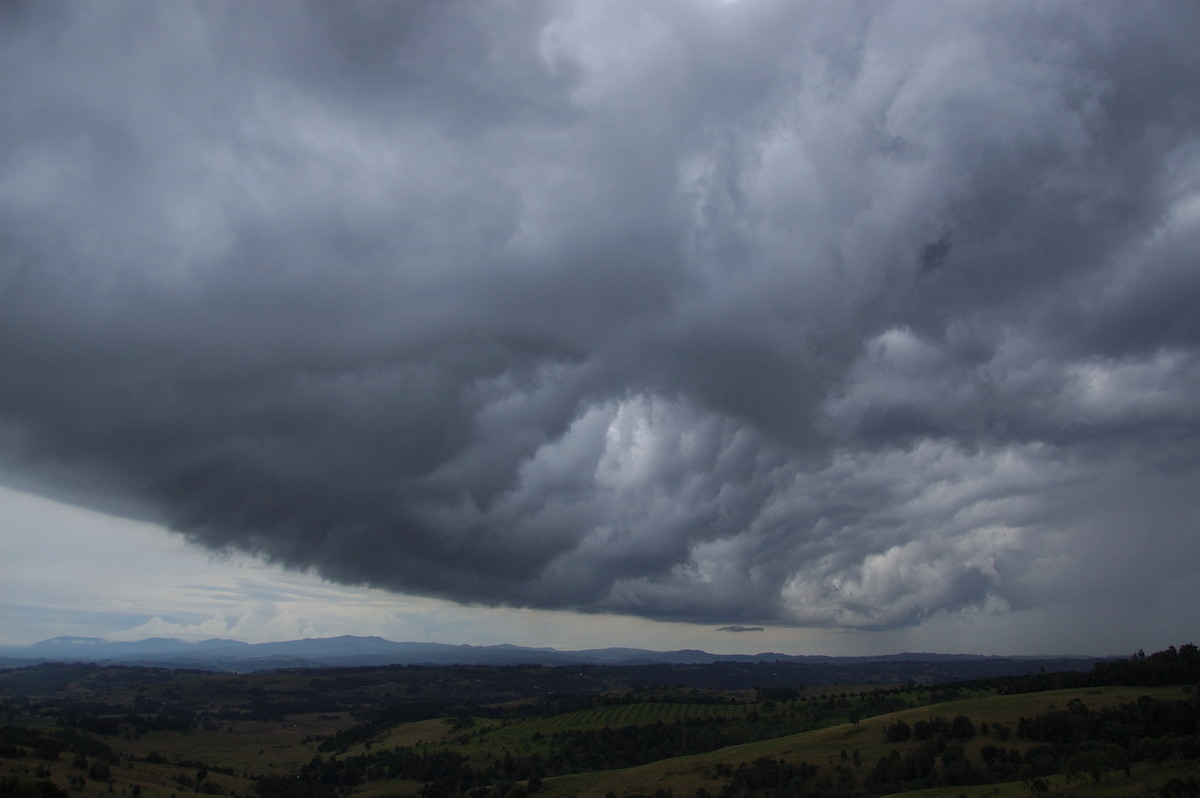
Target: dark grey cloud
point(833, 314)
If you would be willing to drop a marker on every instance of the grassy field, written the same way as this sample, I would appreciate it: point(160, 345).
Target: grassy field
point(235, 750)
point(1144, 780)
point(684, 775)
point(245, 746)
point(626, 715)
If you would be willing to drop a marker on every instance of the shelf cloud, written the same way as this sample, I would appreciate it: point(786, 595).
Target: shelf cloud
point(822, 314)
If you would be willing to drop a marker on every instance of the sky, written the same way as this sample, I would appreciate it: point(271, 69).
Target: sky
point(872, 324)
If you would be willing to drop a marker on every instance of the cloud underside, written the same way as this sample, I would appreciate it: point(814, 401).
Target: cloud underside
point(761, 312)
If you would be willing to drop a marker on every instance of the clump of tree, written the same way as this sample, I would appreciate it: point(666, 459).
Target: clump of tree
point(768, 776)
point(15, 787)
point(1180, 788)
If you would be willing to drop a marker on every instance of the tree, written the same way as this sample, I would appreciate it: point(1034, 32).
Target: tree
point(1036, 786)
point(961, 728)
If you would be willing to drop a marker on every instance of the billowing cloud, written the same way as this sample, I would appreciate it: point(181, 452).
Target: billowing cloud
point(825, 314)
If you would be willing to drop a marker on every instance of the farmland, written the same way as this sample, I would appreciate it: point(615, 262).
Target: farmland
point(93, 730)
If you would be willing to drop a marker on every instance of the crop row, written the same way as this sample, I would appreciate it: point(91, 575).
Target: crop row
point(623, 715)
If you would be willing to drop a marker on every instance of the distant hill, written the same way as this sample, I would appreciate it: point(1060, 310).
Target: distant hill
point(352, 651)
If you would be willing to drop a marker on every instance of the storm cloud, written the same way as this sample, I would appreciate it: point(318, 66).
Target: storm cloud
point(830, 314)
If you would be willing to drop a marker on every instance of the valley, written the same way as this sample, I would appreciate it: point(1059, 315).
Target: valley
point(1122, 727)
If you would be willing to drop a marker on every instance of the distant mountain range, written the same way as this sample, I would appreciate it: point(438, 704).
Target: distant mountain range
point(351, 651)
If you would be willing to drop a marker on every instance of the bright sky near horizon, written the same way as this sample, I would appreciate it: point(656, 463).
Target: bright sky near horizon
point(587, 324)
point(69, 571)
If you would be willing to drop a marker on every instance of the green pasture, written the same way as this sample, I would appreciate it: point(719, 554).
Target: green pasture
point(823, 747)
point(260, 747)
point(621, 715)
point(1143, 780)
point(281, 748)
point(436, 733)
point(155, 781)
point(488, 738)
